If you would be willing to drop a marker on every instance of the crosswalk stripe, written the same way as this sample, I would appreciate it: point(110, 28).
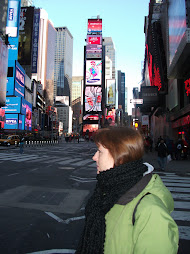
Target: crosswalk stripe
point(176, 180)
point(82, 163)
point(26, 158)
point(184, 232)
point(181, 196)
point(184, 205)
point(178, 189)
point(181, 215)
point(179, 184)
point(64, 162)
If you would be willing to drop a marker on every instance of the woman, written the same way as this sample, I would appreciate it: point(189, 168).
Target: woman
point(129, 211)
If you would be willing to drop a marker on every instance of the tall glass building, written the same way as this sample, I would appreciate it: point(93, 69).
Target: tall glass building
point(110, 52)
point(63, 63)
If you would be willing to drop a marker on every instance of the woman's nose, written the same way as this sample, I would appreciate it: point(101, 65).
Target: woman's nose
point(94, 157)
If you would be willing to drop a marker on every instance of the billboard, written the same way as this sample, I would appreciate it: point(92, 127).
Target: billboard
point(93, 51)
point(90, 127)
point(21, 123)
point(11, 121)
point(177, 25)
point(110, 91)
point(93, 72)
point(26, 110)
point(90, 117)
point(13, 12)
point(3, 72)
point(94, 39)
point(110, 117)
point(2, 118)
point(35, 40)
point(13, 105)
point(93, 98)
point(19, 80)
point(94, 26)
point(25, 35)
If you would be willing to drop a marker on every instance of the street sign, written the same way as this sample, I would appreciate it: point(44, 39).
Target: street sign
point(136, 101)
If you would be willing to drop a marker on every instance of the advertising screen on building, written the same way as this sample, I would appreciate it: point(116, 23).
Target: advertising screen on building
point(90, 127)
point(110, 117)
point(13, 105)
point(25, 35)
point(110, 91)
point(93, 72)
point(13, 18)
point(94, 25)
point(2, 117)
point(90, 117)
point(94, 39)
point(26, 109)
point(19, 80)
point(177, 25)
point(35, 40)
point(93, 51)
point(11, 121)
point(93, 98)
point(3, 72)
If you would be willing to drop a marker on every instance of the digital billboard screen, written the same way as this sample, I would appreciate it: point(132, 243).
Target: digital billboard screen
point(93, 98)
point(94, 39)
point(90, 127)
point(110, 91)
point(177, 25)
point(13, 105)
point(93, 51)
point(25, 35)
point(19, 80)
point(11, 121)
point(3, 72)
point(90, 117)
point(93, 72)
point(26, 110)
point(13, 18)
point(94, 25)
point(2, 117)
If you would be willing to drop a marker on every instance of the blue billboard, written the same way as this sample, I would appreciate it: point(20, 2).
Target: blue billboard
point(13, 16)
point(13, 105)
point(21, 122)
point(11, 121)
point(19, 80)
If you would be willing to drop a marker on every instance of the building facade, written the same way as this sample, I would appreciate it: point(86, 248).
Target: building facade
point(110, 52)
point(63, 63)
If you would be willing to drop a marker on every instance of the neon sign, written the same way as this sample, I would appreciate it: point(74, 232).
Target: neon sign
point(187, 86)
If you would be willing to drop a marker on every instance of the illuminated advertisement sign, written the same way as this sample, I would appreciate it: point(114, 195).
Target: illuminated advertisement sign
point(26, 110)
point(94, 25)
point(13, 18)
point(94, 117)
point(94, 51)
point(21, 123)
point(2, 117)
point(110, 117)
point(13, 105)
point(110, 89)
point(3, 72)
point(90, 127)
point(19, 80)
point(35, 40)
point(177, 25)
point(94, 39)
point(11, 121)
point(93, 72)
point(25, 35)
point(93, 98)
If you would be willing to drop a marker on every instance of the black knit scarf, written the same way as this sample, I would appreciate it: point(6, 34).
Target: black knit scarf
point(111, 185)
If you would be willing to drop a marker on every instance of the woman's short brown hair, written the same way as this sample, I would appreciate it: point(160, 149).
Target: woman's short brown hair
point(124, 144)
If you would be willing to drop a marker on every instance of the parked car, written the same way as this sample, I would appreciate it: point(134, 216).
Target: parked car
point(10, 140)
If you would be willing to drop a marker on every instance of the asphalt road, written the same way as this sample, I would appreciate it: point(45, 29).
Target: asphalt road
point(43, 193)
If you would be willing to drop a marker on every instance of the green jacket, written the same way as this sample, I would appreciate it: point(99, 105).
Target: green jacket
point(154, 231)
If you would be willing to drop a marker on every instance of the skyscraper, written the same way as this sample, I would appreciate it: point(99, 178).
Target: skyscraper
point(63, 63)
point(110, 52)
point(121, 90)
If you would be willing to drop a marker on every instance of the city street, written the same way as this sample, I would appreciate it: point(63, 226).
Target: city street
point(43, 193)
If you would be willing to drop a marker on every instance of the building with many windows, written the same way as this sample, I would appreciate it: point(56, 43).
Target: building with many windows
point(63, 63)
point(110, 52)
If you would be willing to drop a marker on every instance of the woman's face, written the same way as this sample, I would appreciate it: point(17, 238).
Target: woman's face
point(103, 159)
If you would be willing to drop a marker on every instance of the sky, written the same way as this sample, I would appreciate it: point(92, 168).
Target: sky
point(123, 20)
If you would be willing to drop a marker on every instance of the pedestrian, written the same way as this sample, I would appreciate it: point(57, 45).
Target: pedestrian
point(129, 211)
point(162, 154)
point(21, 145)
point(179, 149)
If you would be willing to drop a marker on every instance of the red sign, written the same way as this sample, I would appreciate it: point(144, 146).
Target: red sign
point(181, 122)
point(187, 86)
point(94, 25)
point(94, 40)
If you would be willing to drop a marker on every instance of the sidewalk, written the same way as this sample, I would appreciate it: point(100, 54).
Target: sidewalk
point(182, 166)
